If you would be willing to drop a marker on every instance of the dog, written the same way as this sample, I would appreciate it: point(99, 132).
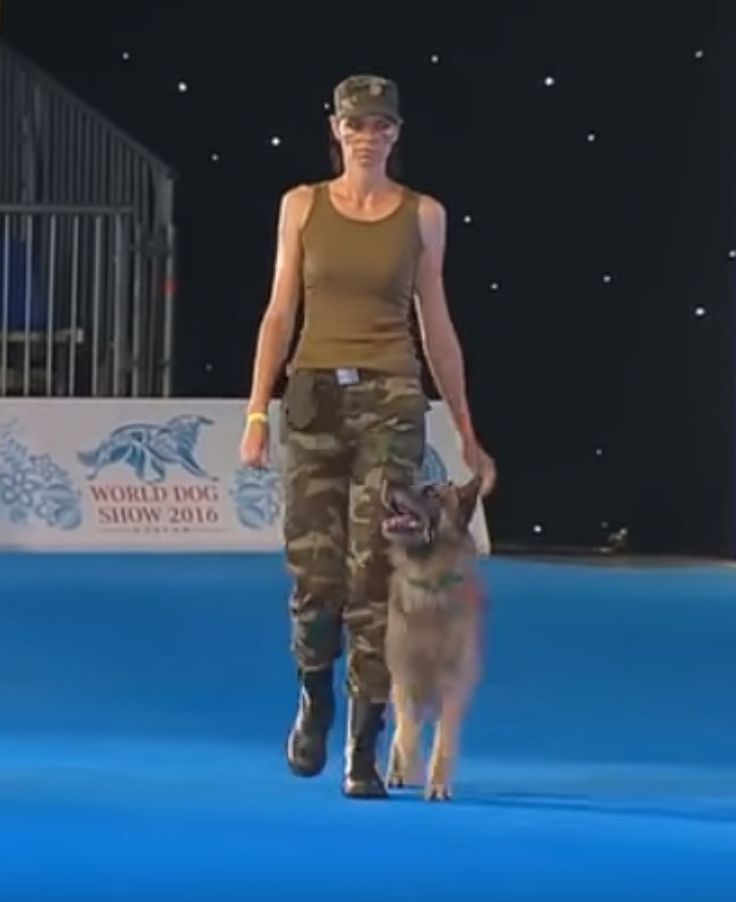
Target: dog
point(433, 639)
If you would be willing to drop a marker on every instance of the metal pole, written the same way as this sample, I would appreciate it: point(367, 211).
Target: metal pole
point(96, 304)
point(5, 293)
point(168, 324)
point(50, 311)
point(117, 302)
point(74, 312)
point(28, 234)
point(137, 352)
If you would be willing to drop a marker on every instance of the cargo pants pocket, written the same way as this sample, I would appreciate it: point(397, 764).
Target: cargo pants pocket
point(299, 405)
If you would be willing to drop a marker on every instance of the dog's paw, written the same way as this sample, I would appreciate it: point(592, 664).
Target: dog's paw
point(437, 792)
point(404, 773)
point(400, 780)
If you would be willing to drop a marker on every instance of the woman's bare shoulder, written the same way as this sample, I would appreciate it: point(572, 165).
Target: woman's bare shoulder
point(296, 202)
point(430, 208)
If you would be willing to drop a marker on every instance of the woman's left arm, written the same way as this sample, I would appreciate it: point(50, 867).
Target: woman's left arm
point(439, 338)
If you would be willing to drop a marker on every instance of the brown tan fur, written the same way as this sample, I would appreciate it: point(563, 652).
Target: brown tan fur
point(433, 641)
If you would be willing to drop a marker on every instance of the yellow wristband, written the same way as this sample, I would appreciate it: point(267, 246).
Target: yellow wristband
point(257, 417)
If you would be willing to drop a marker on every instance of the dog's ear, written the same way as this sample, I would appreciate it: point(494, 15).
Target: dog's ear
point(467, 497)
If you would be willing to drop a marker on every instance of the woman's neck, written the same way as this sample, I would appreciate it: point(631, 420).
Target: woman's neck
point(364, 184)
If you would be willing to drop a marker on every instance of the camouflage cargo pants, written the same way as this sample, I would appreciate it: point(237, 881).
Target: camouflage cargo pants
point(341, 443)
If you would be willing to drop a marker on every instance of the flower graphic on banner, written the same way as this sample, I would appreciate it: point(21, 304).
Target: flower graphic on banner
point(149, 449)
point(32, 487)
point(257, 497)
point(433, 467)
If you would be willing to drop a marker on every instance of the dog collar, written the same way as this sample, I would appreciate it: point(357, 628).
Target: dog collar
point(447, 581)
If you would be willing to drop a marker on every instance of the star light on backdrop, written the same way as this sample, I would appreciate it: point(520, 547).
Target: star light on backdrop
point(554, 186)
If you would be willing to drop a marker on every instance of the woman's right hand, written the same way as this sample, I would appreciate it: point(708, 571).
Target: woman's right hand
point(254, 445)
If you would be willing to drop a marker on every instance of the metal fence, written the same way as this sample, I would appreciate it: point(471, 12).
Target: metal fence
point(87, 247)
point(76, 285)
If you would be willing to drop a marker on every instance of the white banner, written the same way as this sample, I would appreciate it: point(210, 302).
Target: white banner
point(154, 475)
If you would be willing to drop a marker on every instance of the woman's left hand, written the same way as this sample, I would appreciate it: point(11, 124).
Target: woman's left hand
point(481, 464)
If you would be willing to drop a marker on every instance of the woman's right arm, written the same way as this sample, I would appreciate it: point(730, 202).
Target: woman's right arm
point(277, 325)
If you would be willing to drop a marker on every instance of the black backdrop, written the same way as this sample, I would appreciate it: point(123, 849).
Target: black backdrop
point(602, 208)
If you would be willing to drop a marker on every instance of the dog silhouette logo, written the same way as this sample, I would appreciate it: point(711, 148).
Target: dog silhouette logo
point(150, 449)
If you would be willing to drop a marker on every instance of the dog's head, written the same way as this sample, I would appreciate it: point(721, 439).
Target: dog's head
point(420, 516)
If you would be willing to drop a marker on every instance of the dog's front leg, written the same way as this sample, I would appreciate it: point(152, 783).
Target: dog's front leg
point(445, 747)
point(404, 764)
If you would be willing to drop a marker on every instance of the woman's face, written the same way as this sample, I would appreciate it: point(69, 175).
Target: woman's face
point(366, 141)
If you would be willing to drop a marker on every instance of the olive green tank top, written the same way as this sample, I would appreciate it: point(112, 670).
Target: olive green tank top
point(358, 284)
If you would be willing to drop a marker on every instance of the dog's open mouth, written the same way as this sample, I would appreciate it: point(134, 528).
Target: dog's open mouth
point(407, 519)
point(399, 524)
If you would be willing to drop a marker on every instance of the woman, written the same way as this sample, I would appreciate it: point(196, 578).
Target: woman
point(362, 247)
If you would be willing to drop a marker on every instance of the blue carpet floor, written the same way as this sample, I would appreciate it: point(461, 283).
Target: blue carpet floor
point(144, 703)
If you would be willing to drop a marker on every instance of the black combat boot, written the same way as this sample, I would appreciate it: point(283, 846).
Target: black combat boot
point(307, 745)
point(365, 722)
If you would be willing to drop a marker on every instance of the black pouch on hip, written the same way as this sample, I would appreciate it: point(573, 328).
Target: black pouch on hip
point(300, 399)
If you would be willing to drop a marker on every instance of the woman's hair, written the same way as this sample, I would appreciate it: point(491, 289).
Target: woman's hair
point(393, 164)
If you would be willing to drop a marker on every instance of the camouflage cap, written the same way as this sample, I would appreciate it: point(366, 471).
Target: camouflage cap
point(367, 95)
